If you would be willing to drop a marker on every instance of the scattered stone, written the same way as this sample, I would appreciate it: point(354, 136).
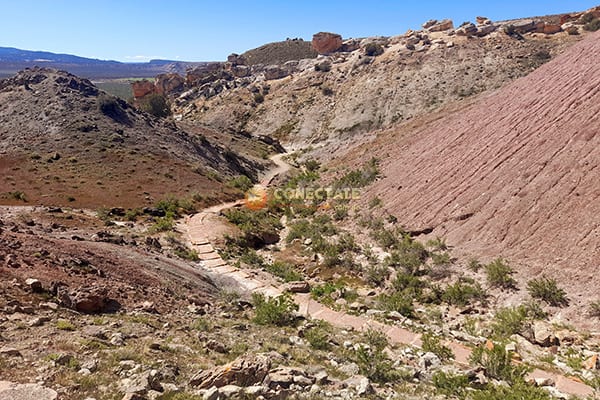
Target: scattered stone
point(143, 383)
point(134, 396)
point(543, 334)
point(28, 391)
point(35, 285)
point(362, 385)
point(95, 331)
point(217, 347)
point(38, 321)
point(211, 394)
point(10, 352)
point(246, 370)
point(429, 361)
point(592, 363)
point(284, 377)
point(298, 287)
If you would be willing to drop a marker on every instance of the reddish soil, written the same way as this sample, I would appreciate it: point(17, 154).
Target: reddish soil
point(513, 174)
point(65, 142)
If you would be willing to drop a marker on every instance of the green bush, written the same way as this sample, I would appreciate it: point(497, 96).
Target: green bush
point(18, 195)
point(449, 384)
point(593, 25)
point(433, 344)
point(155, 104)
point(509, 321)
point(373, 49)
point(547, 289)
point(462, 293)
point(398, 301)
point(595, 309)
point(241, 182)
point(318, 336)
point(285, 271)
point(361, 177)
point(277, 311)
point(372, 360)
point(518, 390)
point(499, 274)
point(497, 363)
point(259, 98)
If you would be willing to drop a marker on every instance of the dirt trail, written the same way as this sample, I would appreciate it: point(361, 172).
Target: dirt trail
point(201, 230)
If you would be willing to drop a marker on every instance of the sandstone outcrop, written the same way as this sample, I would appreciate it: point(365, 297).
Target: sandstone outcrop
point(327, 42)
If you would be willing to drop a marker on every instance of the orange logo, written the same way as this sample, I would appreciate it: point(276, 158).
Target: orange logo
point(256, 198)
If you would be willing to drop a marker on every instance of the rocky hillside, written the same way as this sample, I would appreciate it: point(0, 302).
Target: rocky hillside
point(359, 85)
point(63, 141)
point(513, 174)
point(280, 52)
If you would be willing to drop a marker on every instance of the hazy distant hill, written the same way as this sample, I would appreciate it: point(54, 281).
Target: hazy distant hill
point(13, 60)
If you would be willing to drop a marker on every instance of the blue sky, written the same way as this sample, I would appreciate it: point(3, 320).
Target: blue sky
point(136, 30)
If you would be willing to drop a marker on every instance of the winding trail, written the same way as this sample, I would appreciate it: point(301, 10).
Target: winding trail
point(203, 228)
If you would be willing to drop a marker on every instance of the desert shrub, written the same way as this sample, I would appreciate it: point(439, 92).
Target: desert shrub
point(241, 182)
point(373, 49)
point(449, 384)
point(179, 396)
point(174, 207)
point(186, 253)
point(318, 336)
point(519, 390)
point(547, 289)
point(155, 104)
point(441, 259)
point(340, 212)
point(112, 108)
point(593, 25)
point(509, 30)
point(509, 321)
point(433, 344)
point(64, 325)
point(499, 274)
point(595, 309)
point(376, 274)
point(277, 311)
point(18, 195)
point(372, 360)
point(285, 271)
point(361, 177)
point(163, 224)
point(437, 244)
point(409, 255)
point(327, 91)
point(324, 66)
point(474, 265)
point(259, 98)
point(397, 301)
point(463, 292)
point(497, 363)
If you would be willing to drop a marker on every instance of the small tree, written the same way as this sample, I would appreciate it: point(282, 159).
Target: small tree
point(156, 104)
point(547, 289)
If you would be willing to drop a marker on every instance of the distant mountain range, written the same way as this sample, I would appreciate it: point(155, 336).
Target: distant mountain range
point(13, 60)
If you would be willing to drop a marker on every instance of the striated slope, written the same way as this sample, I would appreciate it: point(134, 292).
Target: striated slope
point(516, 173)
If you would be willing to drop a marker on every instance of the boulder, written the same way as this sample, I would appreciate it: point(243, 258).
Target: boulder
point(28, 391)
point(524, 26)
point(361, 384)
point(468, 29)
point(143, 383)
point(284, 377)
point(88, 300)
point(441, 26)
point(350, 45)
point(142, 88)
point(570, 29)
point(484, 30)
point(298, 287)
point(543, 334)
point(169, 83)
point(551, 29)
point(326, 42)
point(273, 72)
point(244, 371)
point(236, 59)
point(34, 285)
point(483, 21)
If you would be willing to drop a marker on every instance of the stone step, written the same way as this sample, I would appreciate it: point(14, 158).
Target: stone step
point(216, 262)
